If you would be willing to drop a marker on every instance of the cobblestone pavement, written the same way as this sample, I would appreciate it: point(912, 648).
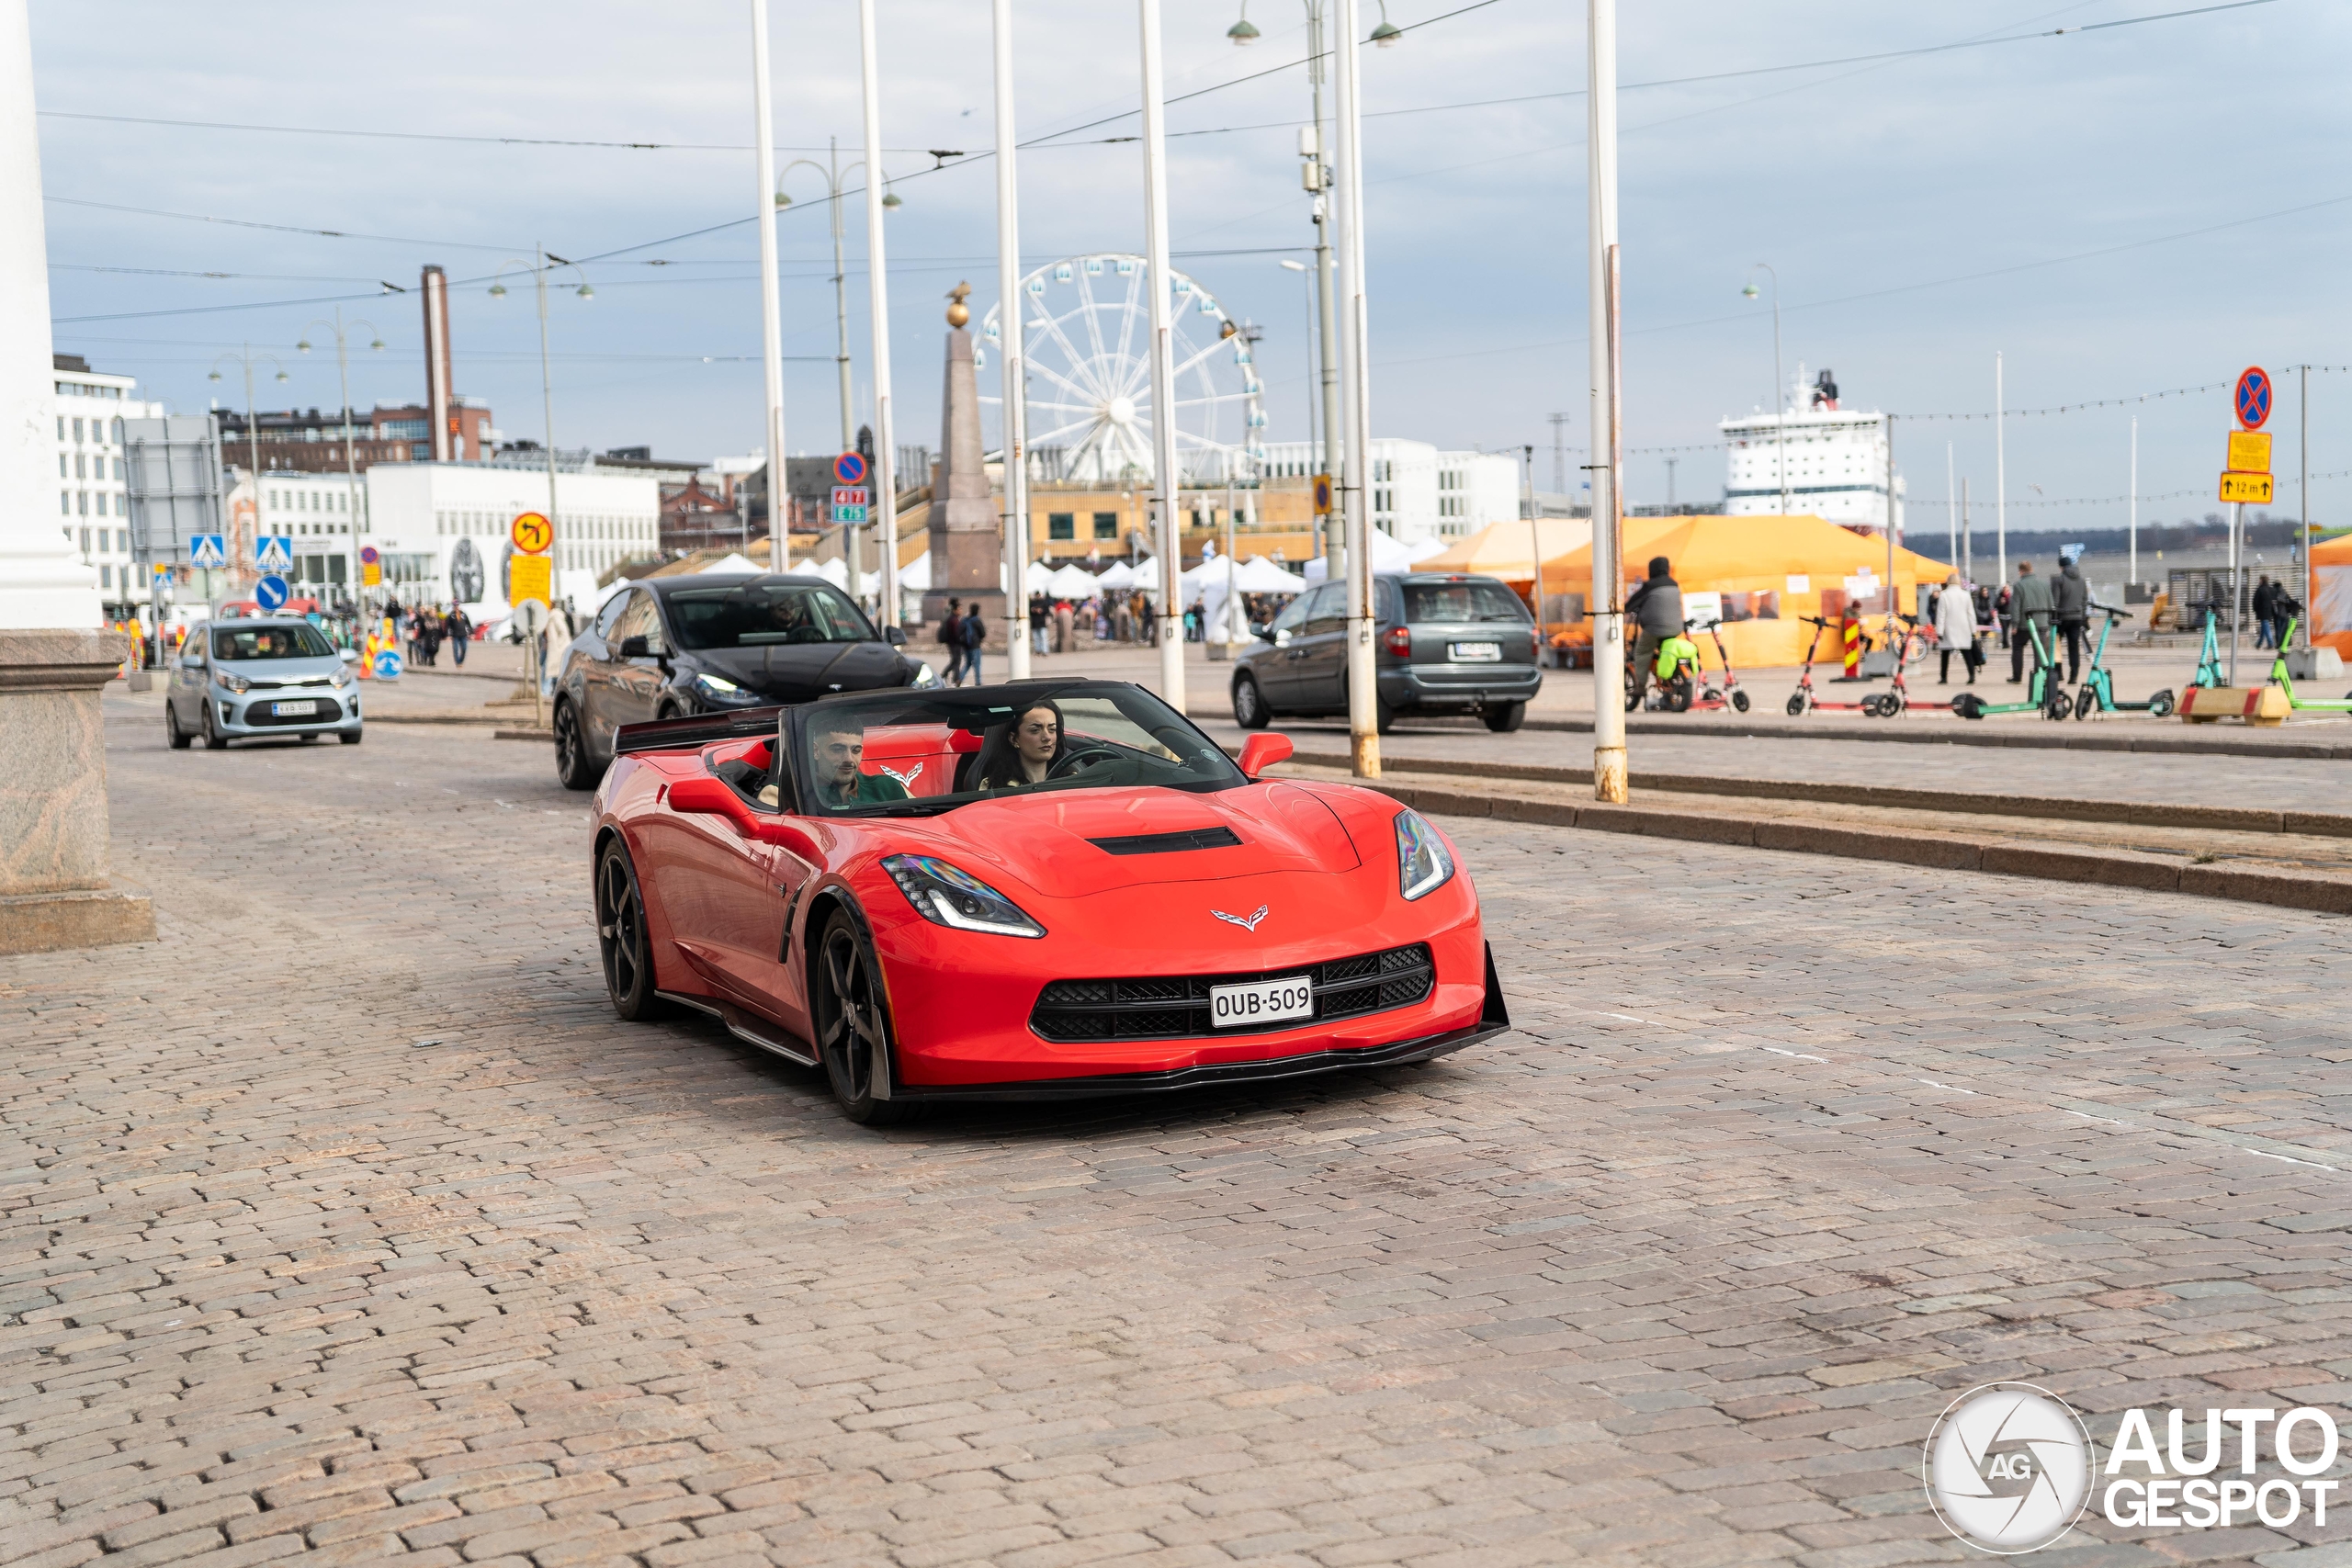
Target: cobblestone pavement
point(345, 1220)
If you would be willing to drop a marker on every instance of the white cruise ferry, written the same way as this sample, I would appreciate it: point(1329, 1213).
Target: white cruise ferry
point(1825, 460)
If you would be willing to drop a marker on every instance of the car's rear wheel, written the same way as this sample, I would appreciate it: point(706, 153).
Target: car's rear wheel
point(853, 1022)
point(1504, 717)
point(572, 769)
point(1249, 710)
point(623, 940)
point(172, 731)
point(213, 740)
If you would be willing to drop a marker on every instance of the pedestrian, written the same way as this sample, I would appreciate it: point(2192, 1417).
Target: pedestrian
point(1955, 621)
point(2029, 606)
point(1037, 621)
point(461, 630)
point(975, 638)
point(1147, 620)
point(2070, 604)
point(950, 638)
point(2266, 612)
point(1656, 608)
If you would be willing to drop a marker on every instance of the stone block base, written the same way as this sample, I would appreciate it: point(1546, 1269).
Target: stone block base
point(48, 922)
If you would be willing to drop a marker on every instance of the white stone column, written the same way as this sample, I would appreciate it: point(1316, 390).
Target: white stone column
point(54, 658)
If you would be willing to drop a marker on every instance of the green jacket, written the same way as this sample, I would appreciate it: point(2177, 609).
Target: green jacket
point(2030, 599)
point(871, 789)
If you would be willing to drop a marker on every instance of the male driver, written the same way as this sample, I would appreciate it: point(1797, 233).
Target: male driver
point(1656, 608)
point(836, 747)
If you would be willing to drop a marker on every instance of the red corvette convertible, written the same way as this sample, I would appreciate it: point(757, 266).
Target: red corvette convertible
point(1054, 888)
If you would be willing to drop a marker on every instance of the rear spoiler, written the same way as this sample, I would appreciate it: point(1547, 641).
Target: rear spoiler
point(695, 729)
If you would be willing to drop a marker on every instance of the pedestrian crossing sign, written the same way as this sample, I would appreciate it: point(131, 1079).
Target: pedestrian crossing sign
point(207, 551)
point(274, 552)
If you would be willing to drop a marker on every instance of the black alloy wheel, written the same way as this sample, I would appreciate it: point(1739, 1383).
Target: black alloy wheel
point(172, 731)
point(622, 940)
point(1249, 710)
point(852, 1027)
point(213, 740)
point(572, 769)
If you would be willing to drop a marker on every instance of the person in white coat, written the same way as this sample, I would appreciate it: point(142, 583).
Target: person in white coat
point(1956, 630)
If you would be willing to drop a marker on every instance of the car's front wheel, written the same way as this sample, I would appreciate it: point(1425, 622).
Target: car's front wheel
point(853, 1024)
point(1249, 710)
point(172, 731)
point(623, 940)
point(572, 769)
point(213, 740)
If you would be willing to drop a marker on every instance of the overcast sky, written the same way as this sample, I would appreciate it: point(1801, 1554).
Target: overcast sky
point(2038, 197)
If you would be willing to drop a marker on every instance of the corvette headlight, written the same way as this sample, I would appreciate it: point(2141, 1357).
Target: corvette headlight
point(1423, 866)
point(232, 681)
point(947, 897)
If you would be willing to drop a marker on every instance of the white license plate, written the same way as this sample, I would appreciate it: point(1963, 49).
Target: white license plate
point(1474, 652)
point(1261, 1001)
point(288, 710)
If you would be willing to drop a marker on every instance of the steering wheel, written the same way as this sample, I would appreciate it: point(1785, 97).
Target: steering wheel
point(1082, 759)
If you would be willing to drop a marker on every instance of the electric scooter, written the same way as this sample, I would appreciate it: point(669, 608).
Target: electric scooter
point(2097, 693)
point(1802, 700)
point(2209, 659)
point(2044, 693)
point(1728, 693)
point(1900, 700)
point(2279, 675)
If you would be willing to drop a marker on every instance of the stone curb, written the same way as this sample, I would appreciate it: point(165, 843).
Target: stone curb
point(2128, 813)
point(2110, 868)
point(429, 717)
point(522, 735)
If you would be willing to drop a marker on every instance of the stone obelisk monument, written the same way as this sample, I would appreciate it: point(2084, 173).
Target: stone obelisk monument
point(967, 549)
point(54, 660)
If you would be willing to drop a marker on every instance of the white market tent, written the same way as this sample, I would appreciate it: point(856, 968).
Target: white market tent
point(915, 576)
point(1118, 575)
point(1420, 550)
point(1259, 575)
point(1387, 554)
point(1073, 582)
point(732, 561)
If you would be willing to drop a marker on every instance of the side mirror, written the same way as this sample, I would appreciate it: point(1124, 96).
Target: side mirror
point(1280, 639)
point(637, 647)
point(1262, 751)
point(191, 661)
point(894, 636)
point(1263, 631)
point(709, 797)
point(351, 656)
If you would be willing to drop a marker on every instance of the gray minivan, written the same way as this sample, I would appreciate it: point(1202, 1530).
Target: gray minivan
point(1445, 643)
point(243, 679)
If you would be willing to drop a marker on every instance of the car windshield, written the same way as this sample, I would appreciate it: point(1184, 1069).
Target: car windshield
point(1473, 600)
point(758, 614)
point(238, 643)
point(908, 753)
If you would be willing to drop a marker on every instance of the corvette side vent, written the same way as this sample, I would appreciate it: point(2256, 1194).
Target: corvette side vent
point(1168, 843)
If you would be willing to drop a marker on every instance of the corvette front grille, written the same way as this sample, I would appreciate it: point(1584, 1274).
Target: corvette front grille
point(1175, 1006)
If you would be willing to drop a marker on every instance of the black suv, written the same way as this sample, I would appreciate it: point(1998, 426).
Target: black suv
point(669, 646)
point(1445, 643)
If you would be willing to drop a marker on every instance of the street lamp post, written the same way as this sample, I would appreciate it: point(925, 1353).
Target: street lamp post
point(771, 303)
point(1166, 481)
point(834, 174)
point(1608, 442)
point(1314, 151)
point(1364, 696)
point(1780, 419)
point(1012, 315)
point(886, 454)
point(350, 460)
point(245, 356)
point(538, 270)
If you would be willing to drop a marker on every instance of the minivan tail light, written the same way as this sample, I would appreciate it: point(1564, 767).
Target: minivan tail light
point(1400, 641)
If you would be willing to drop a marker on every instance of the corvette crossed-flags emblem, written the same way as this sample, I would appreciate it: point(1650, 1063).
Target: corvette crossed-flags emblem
point(1246, 923)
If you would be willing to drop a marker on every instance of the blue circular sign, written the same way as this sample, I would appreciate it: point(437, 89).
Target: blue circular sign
point(849, 468)
point(2254, 396)
point(387, 666)
point(271, 592)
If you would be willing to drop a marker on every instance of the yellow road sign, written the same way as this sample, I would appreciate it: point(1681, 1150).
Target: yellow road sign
point(371, 574)
point(530, 577)
point(2250, 452)
point(531, 533)
point(2250, 489)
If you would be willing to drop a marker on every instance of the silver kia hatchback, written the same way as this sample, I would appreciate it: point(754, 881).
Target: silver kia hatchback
point(243, 679)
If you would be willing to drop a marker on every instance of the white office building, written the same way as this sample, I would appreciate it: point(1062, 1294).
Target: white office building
point(1825, 460)
point(91, 506)
point(326, 516)
point(442, 527)
point(1418, 491)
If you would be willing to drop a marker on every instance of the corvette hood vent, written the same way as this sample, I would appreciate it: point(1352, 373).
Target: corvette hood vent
point(1168, 843)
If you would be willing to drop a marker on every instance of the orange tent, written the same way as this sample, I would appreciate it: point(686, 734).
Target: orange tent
point(1507, 550)
point(1770, 570)
point(2330, 605)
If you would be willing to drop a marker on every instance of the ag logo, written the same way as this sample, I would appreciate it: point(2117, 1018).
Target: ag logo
point(2009, 1468)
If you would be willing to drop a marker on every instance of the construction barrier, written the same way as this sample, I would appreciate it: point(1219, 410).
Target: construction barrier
point(2256, 705)
point(1850, 628)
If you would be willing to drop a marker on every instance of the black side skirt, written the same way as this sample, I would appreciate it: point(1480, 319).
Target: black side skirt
point(1494, 1019)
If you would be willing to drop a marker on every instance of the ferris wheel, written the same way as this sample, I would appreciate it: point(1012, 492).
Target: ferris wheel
point(1088, 349)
